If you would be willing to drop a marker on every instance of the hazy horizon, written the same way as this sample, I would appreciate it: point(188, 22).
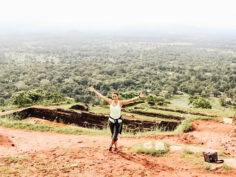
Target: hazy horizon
point(107, 15)
point(167, 32)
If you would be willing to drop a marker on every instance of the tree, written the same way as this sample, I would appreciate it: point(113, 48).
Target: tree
point(216, 92)
point(157, 100)
point(38, 96)
point(128, 95)
point(2, 102)
point(199, 102)
point(223, 100)
point(234, 99)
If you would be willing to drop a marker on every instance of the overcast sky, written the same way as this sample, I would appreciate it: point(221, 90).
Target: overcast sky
point(108, 13)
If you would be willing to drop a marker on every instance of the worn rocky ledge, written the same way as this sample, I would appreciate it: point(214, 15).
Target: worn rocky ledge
point(184, 112)
point(93, 120)
point(133, 103)
point(153, 114)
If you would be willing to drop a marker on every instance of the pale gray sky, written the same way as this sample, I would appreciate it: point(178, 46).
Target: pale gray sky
point(99, 13)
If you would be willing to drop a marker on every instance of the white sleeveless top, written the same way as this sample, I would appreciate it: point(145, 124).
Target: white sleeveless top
point(115, 111)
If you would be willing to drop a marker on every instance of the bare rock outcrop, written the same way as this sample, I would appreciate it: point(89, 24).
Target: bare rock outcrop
point(80, 107)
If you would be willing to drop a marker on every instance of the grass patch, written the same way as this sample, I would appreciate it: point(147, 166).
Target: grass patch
point(180, 100)
point(194, 158)
point(147, 133)
point(165, 112)
point(10, 159)
point(12, 165)
point(143, 117)
point(4, 170)
point(221, 154)
point(8, 108)
point(219, 110)
point(226, 167)
point(140, 148)
point(65, 106)
point(186, 125)
point(13, 123)
point(207, 167)
point(187, 151)
point(99, 109)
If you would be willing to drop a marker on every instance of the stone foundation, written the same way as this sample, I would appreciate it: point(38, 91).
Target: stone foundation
point(93, 120)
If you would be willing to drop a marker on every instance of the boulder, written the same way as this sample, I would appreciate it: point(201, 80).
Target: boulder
point(160, 146)
point(227, 120)
point(80, 107)
point(148, 145)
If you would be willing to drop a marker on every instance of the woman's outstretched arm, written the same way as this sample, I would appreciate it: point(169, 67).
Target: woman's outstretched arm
point(124, 102)
point(100, 95)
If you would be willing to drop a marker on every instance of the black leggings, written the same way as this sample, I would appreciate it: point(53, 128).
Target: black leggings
point(115, 129)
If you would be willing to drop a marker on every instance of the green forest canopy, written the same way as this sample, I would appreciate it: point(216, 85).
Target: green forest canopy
point(164, 66)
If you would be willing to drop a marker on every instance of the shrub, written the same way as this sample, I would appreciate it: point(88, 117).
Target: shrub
point(128, 95)
point(158, 100)
point(193, 98)
point(199, 102)
point(38, 96)
point(202, 103)
point(207, 167)
point(226, 167)
point(2, 102)
point(185, 126)
point(223, 101)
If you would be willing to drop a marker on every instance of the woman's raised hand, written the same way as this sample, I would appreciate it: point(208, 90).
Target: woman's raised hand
point(142, 95)
point(91, 89)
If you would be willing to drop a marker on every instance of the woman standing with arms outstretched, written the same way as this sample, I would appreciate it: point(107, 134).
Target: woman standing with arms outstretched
point(115, 121)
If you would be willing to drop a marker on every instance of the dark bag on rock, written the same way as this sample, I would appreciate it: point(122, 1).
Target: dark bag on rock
point(211, 157)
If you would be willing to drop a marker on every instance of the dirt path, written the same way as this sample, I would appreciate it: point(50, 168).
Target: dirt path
point(53, 154)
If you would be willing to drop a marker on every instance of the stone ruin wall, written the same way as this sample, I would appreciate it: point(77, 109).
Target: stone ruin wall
point(93, 120)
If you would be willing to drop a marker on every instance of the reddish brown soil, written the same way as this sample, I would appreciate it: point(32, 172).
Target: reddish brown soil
point(215, 135)
point(35, 120)
point(5, 141)
point(53, 154)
